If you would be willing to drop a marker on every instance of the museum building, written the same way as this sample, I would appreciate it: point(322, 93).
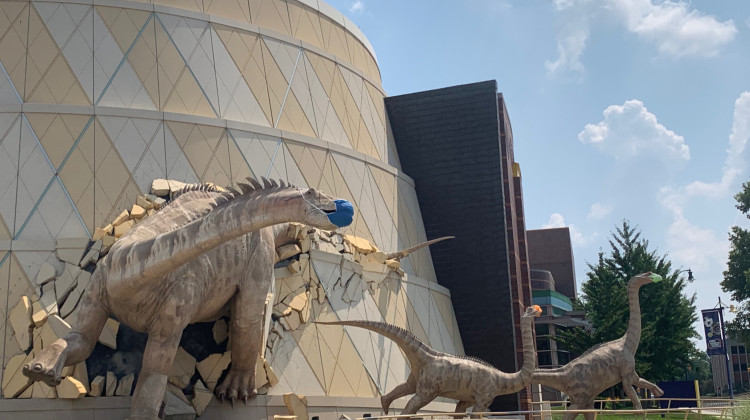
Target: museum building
point(98, 99)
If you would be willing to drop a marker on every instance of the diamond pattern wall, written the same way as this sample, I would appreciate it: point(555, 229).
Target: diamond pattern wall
point(126, 96)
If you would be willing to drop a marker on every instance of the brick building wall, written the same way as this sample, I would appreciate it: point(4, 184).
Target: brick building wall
point(449, 142)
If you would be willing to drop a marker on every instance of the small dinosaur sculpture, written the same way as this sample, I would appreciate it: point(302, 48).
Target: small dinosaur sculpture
point(605, 364)
point(471, 381)
point(196, 258)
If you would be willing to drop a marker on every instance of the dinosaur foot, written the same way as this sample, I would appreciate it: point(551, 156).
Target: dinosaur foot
point(385, 404)
point(48, 365)
point(238, 385)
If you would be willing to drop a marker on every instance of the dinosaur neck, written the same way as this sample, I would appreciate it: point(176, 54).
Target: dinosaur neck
point(516, 381)
point(135, 265)
point(633, 334)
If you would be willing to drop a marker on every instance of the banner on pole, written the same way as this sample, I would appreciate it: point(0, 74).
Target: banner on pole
point(712, 329)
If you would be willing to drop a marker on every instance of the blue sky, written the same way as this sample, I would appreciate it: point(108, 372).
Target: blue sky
point(621, 109)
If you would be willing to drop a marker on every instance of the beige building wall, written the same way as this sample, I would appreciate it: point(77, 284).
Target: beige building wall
point(99, 98)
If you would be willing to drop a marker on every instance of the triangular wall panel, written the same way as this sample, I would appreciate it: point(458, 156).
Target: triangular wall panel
point(10, 126)
point(13, 36)
point(49, 77)
point(116, 82)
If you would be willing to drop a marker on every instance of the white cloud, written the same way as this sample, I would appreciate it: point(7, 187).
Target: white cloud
point(357, 7)
point(690, 244)
point(556, 220)
point(671, 26)
point(599, 211)
point(735, 161)
point(674, 29)
point(570, 47)
point(629, 130)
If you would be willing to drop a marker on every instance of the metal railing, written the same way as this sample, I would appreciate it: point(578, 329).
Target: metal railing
point(712, 407)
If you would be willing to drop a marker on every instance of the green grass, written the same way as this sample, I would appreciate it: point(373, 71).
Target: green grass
point(650, 416)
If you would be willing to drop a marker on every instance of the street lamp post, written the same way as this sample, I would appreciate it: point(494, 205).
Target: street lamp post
point(726, 348)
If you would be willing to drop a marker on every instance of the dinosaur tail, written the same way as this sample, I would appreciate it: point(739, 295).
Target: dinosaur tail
point(414, 349)
point(397, 255)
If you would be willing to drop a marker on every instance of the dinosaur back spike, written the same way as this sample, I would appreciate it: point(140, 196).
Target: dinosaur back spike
point(403, 253)
point(254, 182)
point(266, 182)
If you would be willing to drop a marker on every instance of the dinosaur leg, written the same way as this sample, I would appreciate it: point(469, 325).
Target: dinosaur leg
point(570, 413)
point(481, 406)
point(406, 388)
point(246, 324)
point(77, 345)
point(416, 402)
point(642, 383)
point(461, 407)
point(627, 385)
point(152, 380)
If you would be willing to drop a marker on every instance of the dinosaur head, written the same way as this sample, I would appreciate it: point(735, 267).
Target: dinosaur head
point(326, 212)
point(532, 311)
point(645, 278)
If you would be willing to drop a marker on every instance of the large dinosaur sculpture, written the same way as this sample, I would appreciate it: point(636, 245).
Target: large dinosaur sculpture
point(192, 261)
point(471, 381)
point(604, 365)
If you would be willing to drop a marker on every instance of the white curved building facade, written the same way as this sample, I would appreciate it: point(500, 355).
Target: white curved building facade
point(99, 98)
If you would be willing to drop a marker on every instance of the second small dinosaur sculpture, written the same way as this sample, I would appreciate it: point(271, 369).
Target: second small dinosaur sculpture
point(605, 364)
point(471, 381)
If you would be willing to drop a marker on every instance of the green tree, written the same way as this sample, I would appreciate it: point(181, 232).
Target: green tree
point(668, 314)
point(737, 276)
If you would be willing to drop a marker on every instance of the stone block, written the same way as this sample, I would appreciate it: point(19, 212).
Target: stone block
point(377, 257)
point(125, 385)
point(21, 322)
point(201, 397)
point(272, 378)
point(59, 327)
point(144, 203)
point(47, 273)
point(66, 283)
point(49, 298)
point(99, 233)
point(296, 405)
point(108, 337)
point(294, 267)
point(299, 301)
point(121, 218)
point(287, 251)
point(13, 379)
point(107, 243)
point(393, 264)
point(160, 187)
point(159, 203)
point(123, 228)
point(212, 366)
point(111, 384)
point(70, 255)
point(81, 373)
point(42, 391)
point(220, 331)
point(71, 388)
point(176, 406)
point(38, 314)
point(137, 212)
point(260, 373)
point(91, 257)
point(70, 307)
point(183, 369)
point(304, 245)
point(362, 245)
point(84, 279)
point(97, 386)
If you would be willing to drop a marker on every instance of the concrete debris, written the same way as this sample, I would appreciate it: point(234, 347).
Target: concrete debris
point(183, 368)
point(137, 212)
point(211, 368)
point(201, 397)
point(41, 390)
point(108, 337)
point(21, 322)
point(47, 272)
point(70, 388)
point(121, 218)
point(13, 379)
point(124, 385)
point(123, 228)
point(111, 386)
point(176, 406)
point(287, 251)
point(97, 386)
point(296, 405)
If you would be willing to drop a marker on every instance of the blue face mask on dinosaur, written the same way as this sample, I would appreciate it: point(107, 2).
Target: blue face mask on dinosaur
point(344, 213)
